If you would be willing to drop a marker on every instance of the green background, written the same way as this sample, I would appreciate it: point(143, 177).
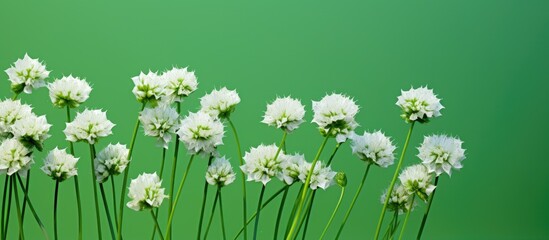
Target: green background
point(487, 60)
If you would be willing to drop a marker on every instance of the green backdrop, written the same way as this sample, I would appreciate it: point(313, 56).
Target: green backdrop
point(487, 60)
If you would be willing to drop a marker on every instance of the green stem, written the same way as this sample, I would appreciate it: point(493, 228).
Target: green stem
point(14, 97)
point(8, 209)
point(174, 167)
point(125, 179)
point(292, 214)
point(307, 211)
point(204, 197)
point(395, 225)
point(19, 217)
point(161, 172)
point(27, 182)
point(113, 191)
point(308, 217)
point(393, 181)
point(76, 185)
point(170, 218)
point(31, 207)
point(221, 215)
point(258, 211)
point(243, 179)
point(107, 212)
point(354, 201)
point(334, 153)
point(424, 220)
point(333, 213)
point(212, 214)
point(157, 225)
point(55, 209)
point(96, 201)
point(279, 215)
point(406, 219)
point(4, 206)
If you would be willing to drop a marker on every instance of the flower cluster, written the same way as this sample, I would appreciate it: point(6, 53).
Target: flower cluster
point(262, 163)
point(291, 168)
point(374, 148)
point(284, 113)
point(180, 83)
point(160, 122)
point(146, 192)
point(12, 111)
point(111, 161)
point(441, 153)
point(219, 103)
point(419, 104)
point(32, 131)
point(149, 88)
point(399, 199)
point(27, 74)
point(201, 133)
point(88, 126)
point(69, 91)
point(14, 158)
point(322, 176)
point(416, 180)
point(60, 165)
point(220, 172)
point(335, 116)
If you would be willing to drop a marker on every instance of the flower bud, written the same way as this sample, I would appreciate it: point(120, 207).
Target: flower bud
point(341, 179)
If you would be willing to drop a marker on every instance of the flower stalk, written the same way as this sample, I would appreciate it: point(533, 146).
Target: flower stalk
point(353, 201)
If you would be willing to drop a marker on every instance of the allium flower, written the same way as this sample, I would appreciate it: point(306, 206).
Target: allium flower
point(335, 113)
point(219, 103)
point(291, 168)
point(261, 165)
point(441, 153)
point(69, 91)
point(373, 148)
point(145, 192)
point(88, 125)
point(60, 165)
point(201, 133)
point(149, 88)
point(419, 104)
point(160, 122)
point(12, 111)
point(399, 200)
point(220, 172)
point(111, 161)
point(341, 179)
point(416, 180)
point(180, 83)
point(14, 158)
point(32, 131)
point(27, 74)
point(285, 113)
point(322, 176)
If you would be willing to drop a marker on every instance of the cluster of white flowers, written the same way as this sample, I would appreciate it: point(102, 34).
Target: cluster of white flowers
point(69, 91)
point(146, 192)
point(286, 113)
point(335, 116)
point(399, 199)
point(160, 122)
point(111, 161)
point(322, 176)
point(419, 104)
point(417, 180)
point(149, 88)
point(374, 148)
point(291, 168)
point(14, 158)
point(262, 164)
point(88, 126)
point(201, 133)
point(441, 153)
point(219, 103)
point(60, 165)
point(32, 131)
point(27, 74)
point(12, 111)
point(180, 83)
point(220, 172)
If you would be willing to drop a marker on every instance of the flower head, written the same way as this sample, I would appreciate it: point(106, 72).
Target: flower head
point(416, 180)
point(27, 74)
point(89, 125)
point(14, 157)
point(219, 103)
point(291, 168)
point(441, 153)
point(201, 133)
point(111, 161)
point(374, 148)
point(160, 122)
point(399, 199)
point(335, 116)
point(341, 179)
point(12, 111)
point(69, 91)
point(180, 84)
point(285, 113)
point(322, 176)
point(32, 131)
point(419, 104)
point(262, 164)
point(145, 192)
point(60, 165)
point(220, 172)
point(149, 88)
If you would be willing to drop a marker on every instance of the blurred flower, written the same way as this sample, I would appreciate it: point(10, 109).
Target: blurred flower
point(32, 131)
point(12, 111)
point(291, 168)
point(69, 91)
point(88, 125)
point(322, 176)
point(419, 104)
point(60, 165)
point(160, 122)
point(335, 116)
point(416, 180)
point(14, 158)
point(285, 113)
point(219, 103)
point(111, 161)
point(149, 88)
point(373, 148)
point(341, 179)
point(441, 153)
point(27, 74)
point(180, 84)
point(145, 192)
point(261, 165)
point(220, 172)
point(399, 200)
point(201, 133)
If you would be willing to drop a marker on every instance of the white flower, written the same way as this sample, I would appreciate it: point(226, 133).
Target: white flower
point(88, 125)
point(27, 74)
point(285, 113)
point(149, 88)
point(180, 83)
point(291, 168)
point(60, 165)
point(201, 133)
point(419, 104)
point(219, 103)
point(335, 113)
point(261, 165)
point(111, 161)
point(399, 201)
point(441, 153)
point(69, 91)
point(14, 158)
point(145, 192)
point(322, 176)
point(220, 172)
point(12, 111)
point(32, 131)
point(417, 180)
point(160, 122)
point(373, 148)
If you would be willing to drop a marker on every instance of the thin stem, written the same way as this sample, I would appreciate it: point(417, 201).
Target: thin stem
point(279, 215)
point(8, 209)
point(242, 178)
point(393, 181)
point(161, 173)
point(27, 181)
point(221, 215)
point(6, 181)
point(212, 213)
point(14, 97)
point(113, 191)
point(308, 216)
point(19, 217)
point(258, 211)
point(55, 209)
point(170, 218)
point(107, 212)
point(157, 225)
point(172, 179)
point(354, 201)
point(395, 225)
point(125, 179)
point(334, 153)
point(424, 220)
point(31, 207)
point(333, 213)
point(292, 214)
point(76, 185)
point(407, 216)
point(96, 201)
point(204, 197)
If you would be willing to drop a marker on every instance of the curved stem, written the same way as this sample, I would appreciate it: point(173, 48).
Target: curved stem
point(113, 191)
point(19, 217)
point(55, 209)
point(107, 212)
point(243, 179)
point(8, 209)
point(212, 214)
point(170, 218)
point(161, 173)
point(354, 201)
point(6, 181)
point(31, 207)
point(407, 216)
point(258, 211)
point(221, 215)
point(393, 181)
point(334, 153)
point(157, 225)
point(292, 214)
point(308, 217)
point(174, 167)
point(27, 181)
point(204, 197)
point(76, 185)
point(424, 220)
point(279, 215)
point(96, 201)
point(333, 213)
